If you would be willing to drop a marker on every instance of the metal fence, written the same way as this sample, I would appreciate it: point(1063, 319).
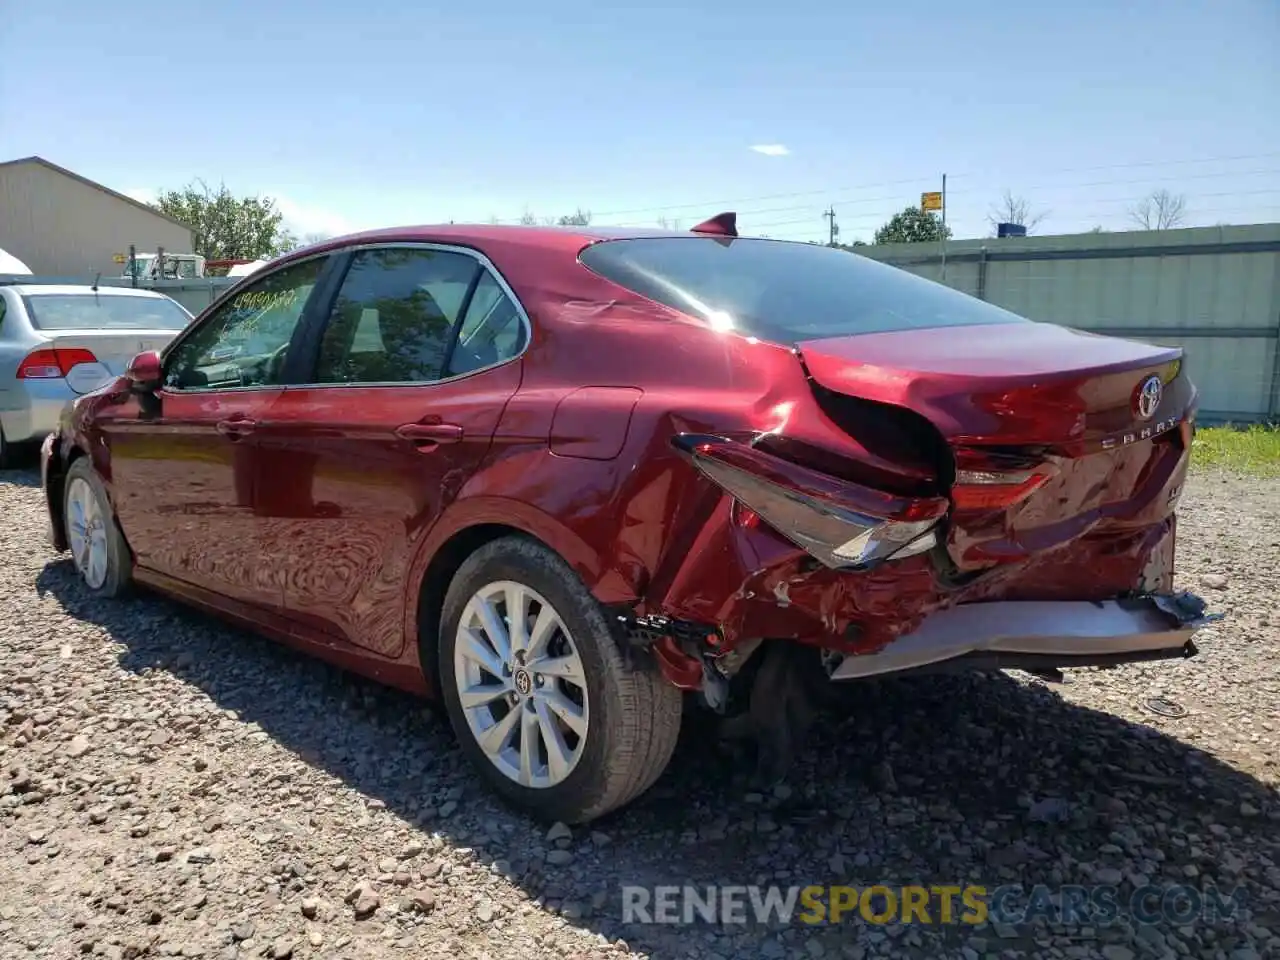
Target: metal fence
point(195, 294)
point(1214, 291)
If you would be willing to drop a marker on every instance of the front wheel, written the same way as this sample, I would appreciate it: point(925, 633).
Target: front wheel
point(541, 698)
point(96, 544)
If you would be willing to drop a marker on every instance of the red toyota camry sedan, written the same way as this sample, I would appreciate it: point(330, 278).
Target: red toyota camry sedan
point(569, 480)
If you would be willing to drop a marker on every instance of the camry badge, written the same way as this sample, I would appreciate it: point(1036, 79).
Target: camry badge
point(1149, 395)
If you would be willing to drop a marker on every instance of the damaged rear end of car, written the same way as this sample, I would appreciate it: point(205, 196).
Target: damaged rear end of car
point(949, 485)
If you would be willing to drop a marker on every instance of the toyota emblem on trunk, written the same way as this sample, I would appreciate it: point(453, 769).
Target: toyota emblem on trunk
point(1149, 395)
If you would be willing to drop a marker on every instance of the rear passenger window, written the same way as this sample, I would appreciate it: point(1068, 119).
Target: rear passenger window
point(492, 330)
point(394, 316)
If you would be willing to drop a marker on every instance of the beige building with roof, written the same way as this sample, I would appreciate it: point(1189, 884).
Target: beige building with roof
point(64, 225)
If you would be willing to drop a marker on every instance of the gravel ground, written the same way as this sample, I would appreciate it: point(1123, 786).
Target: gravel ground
point(173, 787)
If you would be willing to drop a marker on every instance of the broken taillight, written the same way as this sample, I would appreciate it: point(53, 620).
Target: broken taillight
point(842, 525)
point(982, 490)
point(987, 481)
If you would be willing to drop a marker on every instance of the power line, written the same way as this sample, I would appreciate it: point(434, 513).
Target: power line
point(1187, 176)
point(1091, 200)
point(930, 178)
point(893, 198)
point(951, 194)
point(1166, 163)
point(772, 196)
point(1076, 216)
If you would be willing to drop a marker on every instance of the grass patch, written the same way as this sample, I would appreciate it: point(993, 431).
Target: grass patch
point(1254, 449)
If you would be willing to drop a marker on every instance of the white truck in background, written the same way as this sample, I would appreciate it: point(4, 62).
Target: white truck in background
point(163, 266)
point(150, 267)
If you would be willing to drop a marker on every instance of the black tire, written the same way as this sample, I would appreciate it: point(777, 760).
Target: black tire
point(634, 713)
point(6, 452)
point(119, 573)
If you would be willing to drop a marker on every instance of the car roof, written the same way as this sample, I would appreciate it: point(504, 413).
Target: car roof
point(569, 239)
point(511, 233)
point(65, 289)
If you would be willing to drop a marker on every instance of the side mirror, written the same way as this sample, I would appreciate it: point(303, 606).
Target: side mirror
point(144, 372)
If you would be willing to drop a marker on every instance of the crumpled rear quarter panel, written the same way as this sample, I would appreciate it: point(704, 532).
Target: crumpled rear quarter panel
point(1135, 486)
point(753, 583)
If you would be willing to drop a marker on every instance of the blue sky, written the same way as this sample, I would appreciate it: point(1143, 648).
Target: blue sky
point(372, 114)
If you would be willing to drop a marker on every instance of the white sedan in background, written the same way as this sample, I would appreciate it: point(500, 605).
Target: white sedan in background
point(58, 342)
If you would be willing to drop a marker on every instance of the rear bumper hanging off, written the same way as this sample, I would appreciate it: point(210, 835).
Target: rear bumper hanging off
point(1041, 634)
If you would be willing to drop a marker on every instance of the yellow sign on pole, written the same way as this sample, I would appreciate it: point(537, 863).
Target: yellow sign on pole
point(930, 201)
point(119, 258)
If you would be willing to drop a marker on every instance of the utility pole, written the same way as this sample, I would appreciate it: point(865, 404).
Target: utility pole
point(833, 228)
point(944, 228)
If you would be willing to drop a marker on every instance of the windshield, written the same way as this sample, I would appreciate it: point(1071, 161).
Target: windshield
point(85, 311)
point(141, 266)
point(784, 292)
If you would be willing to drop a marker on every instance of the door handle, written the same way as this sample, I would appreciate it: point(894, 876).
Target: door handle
point(430, 433)
point(235, 429)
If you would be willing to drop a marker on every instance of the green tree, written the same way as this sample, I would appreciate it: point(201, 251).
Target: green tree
point(579, 218)
point(289, 243)
point(225, 226)
point(913, 225)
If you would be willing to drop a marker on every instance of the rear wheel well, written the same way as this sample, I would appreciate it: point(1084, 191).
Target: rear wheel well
point(435, 584)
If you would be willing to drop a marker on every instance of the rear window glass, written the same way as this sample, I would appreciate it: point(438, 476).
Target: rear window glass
point(784, 292)
point(84, 311)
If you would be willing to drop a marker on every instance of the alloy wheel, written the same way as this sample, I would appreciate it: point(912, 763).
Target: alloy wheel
point(87, 533)
point(521, 684)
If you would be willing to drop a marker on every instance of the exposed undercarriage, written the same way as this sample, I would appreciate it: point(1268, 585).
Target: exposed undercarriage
point(771, 692)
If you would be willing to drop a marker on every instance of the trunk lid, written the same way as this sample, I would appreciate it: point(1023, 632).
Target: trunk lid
point(1011, 384)
point(112, 351)
point(1045, 432)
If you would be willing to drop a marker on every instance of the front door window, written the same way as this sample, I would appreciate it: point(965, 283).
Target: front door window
point(245, 343)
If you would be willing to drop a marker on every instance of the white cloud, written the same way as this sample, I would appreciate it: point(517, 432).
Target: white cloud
point(141, 194)
point(303, 221)
point(771, 149)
